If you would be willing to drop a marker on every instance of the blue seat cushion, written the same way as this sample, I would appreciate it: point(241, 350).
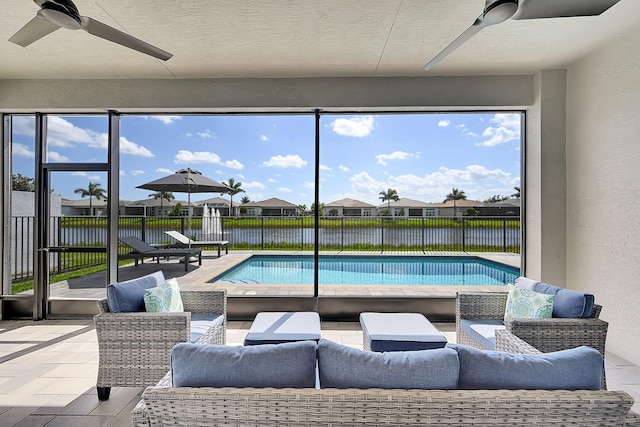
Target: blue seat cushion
point(483, 331)
point(567, 303)
point(340, 366)
point(201, 322)
point(269, 365)
point(128, 296)
point(580, 368)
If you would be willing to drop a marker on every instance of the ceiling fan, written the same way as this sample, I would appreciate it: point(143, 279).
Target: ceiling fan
point(497, 11)
point(54, 14)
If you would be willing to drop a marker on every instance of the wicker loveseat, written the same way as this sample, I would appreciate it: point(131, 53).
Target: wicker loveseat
point(135, 347)
point(165, 405)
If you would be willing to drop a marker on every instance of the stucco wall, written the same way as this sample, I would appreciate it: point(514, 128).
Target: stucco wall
point(603, 186)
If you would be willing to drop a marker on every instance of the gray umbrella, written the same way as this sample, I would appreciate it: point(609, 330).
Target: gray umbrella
point(186, 181)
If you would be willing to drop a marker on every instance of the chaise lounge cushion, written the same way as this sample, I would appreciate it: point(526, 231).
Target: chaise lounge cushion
point(128, 296)
point(567, 303)
point(268, 365)
point(340, 366)
point(580, 368)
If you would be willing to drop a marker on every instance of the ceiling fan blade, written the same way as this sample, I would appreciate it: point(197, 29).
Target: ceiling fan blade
point(34, 30)
point(536, 9)
point(459, 41)
point(104, 31)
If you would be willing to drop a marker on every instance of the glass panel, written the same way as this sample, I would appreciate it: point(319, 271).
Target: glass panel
point(77, 139)
point(23, 168)
point(269, 159)
point(78, 234)
point(416, 184)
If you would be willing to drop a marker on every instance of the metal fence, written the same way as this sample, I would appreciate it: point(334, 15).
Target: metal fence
point(470, 234)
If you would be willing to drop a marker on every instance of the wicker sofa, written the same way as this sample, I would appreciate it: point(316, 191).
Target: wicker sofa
point(165, 405)
point(135, 347)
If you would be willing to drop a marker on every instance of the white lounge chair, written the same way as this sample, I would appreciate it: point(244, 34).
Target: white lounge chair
point(186, 241)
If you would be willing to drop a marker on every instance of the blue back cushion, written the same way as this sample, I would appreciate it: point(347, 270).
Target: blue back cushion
point(340, 366)
point(567, 303)
point(268, 365)
point(580, 368)
point(128, 296)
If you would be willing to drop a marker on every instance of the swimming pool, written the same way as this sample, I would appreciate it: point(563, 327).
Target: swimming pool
point(370, 270)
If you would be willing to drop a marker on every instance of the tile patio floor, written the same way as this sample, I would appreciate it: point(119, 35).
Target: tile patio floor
point(48, 371)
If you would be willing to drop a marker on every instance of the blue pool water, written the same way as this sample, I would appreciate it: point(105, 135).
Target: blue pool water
point(371, 270)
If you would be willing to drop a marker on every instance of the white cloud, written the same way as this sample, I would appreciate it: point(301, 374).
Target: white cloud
point(128, 147)
point(310, 184)
point(359, 126)
point(204, 134)
point(284, 189)
point(240, 176)
point(186, 156)
point(167, 120)
point(136, 172)
point(343, 168)
point(507, 128)
point(396, 155)
point(22, 150)
point(54, 156)
point(255, 185)
point(233, 164)
point(288, 161)
point(264, 137)
point(325, 168)
point(364, 185)
point(165, 170)
point(444, 123)
point(271, 180)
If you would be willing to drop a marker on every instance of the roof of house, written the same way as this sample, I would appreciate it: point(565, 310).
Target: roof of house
point(408, 203)
point(348, 203)
point(273, 202)
point(463, 203)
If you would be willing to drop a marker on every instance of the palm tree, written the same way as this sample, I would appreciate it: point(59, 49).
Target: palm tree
point(94, 190)
point(388, 196)
point(235, 189)
point(245, 200)
point(517, 193)
point(455, 195)
point(163, 195)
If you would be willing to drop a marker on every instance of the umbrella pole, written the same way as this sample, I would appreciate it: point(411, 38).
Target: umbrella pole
point(189, 216)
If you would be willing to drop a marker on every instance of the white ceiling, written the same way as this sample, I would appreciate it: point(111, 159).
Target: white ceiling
point(300, 38)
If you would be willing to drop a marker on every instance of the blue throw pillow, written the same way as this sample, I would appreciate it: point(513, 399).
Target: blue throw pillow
point(580, 368)
point(340, 366)
point(128, 296)
point(268, 365)
point(567, 303)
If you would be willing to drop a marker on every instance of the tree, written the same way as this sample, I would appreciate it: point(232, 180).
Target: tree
point(245, 200)
point(455, 195)
point(235, 189)
point(303, 209)
point(320, 208)
point(517, 193)
point(163, 195)
point(388, 196)
point(94, 190)
point(176, 211)
point(22, 183)
point(496, 198)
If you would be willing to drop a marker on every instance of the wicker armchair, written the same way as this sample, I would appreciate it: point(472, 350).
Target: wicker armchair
point(135, 348)
point(545, 335)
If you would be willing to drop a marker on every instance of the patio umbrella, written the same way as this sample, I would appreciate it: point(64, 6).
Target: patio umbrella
point(186, 181)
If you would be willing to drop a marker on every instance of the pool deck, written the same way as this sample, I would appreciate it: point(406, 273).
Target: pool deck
point(92, 286)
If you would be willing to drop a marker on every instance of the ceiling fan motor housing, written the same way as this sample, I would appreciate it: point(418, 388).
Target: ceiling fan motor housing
point(61, 14)
point(499, 11)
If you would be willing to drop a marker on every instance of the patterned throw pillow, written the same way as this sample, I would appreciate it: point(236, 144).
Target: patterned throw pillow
point(526, 304)
point(163, 298)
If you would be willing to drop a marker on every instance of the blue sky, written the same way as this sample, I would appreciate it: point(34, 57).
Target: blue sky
point(421, 156)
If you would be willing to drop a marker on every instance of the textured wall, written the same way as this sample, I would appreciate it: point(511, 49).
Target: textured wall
point(603, 191)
